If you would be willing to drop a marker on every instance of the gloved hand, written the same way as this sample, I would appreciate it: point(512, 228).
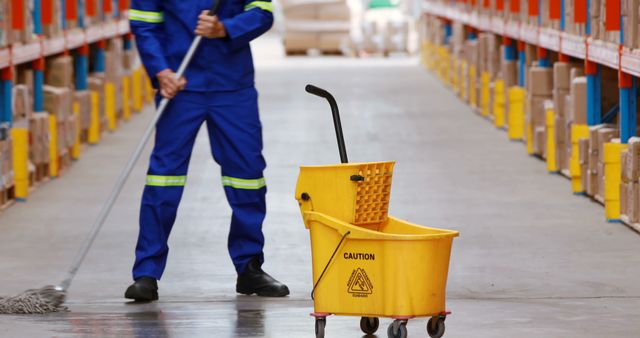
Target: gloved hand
point(169, 86)
point(210, 26)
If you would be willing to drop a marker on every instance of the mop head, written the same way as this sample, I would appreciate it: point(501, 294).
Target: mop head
point(44, 300)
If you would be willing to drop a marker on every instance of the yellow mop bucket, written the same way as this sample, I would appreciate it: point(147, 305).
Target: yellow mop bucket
point(365, 262)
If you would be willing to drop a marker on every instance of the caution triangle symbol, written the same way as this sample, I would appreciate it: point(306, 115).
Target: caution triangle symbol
point(360, 283)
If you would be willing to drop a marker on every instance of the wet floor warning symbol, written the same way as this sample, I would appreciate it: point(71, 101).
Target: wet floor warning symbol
point(359, 284)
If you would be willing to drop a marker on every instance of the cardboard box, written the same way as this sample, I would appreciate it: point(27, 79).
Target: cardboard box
point(536, 110)
point(57, 101)
point(6, 163)
point(22, 103)
point(5, 23)
point(540, 141)
point(600, 182)
point(624, 198)
point(633, 199)
point(540, 81)
point(562, 75)
point(583, 151)
point(630, 31)
point(472, 53)
point(592, 182)
point(39, 129)
point(579, 100)
point(632, 163)
point(561, 143)
point(59, 72)
point(71, 131)
point(576, 72)
point(337, 42)
point(623, 166)
point(559, 101)
point(129, 59)
point(25, 77)
point(295, 41)
point(584, 177)
point(337, 11)
point(83, 98)
point(302, 11)
point(510, 74)
point(560, 124)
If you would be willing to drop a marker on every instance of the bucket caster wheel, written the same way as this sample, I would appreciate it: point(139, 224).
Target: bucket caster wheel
point(435, 327)
point(369, 325)
point(397, 329)
point(321, 322)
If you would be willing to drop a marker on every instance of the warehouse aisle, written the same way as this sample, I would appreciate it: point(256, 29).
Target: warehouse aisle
point(532, 260)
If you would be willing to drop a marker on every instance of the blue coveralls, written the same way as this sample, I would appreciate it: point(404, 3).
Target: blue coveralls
point(220, 91)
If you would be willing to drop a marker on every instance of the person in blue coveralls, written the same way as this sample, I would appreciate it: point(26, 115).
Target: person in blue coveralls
point(217, 89)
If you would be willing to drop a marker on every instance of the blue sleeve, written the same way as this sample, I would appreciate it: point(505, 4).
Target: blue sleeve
point(256, 19)
point(146, 18)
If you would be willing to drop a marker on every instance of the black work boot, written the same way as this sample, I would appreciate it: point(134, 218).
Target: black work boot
point(144, 289)
point(254, 280)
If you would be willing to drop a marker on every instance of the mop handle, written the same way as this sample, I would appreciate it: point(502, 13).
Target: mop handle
point(311, 89)
point(128, 168)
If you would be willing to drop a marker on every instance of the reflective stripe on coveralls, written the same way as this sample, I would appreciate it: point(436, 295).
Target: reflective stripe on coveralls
point(166, 181)
point(146, 16)
point(239, 183)
point(263, 5)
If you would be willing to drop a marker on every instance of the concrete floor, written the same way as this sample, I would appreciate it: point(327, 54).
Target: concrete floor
point(532, 260)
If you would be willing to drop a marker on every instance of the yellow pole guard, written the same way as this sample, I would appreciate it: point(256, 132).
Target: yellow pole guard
point(455, 72)
point(126, 98)
point(612, 179)
point(447, 66)
point(75, 150)
point(485, 94)
point(423, 53)
point(433, 56)
point(463, 80)
point(20, 137)
point(576, 185)
point(473, 90)
point(516, 113)
point(498, 103)
point(110, 105)
point(136, 83)
point(552, 166)
point(53, 146)
point(440, 64)
point(529, 137)
point(578, 131)
point(94, 125)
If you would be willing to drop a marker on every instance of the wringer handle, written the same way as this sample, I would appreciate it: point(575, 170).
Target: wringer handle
point(311, 89)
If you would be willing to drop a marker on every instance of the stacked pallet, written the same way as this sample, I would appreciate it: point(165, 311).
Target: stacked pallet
point(324, 25)
point(539, 90)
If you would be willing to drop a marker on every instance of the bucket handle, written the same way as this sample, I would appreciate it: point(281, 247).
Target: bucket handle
point(328, 263)
point(311, 89)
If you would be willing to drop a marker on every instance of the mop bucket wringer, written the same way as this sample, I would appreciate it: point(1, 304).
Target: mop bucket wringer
point(365, 262)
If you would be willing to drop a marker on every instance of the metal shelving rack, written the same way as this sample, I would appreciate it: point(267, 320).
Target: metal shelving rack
point(76, 39)
point(595, 54)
